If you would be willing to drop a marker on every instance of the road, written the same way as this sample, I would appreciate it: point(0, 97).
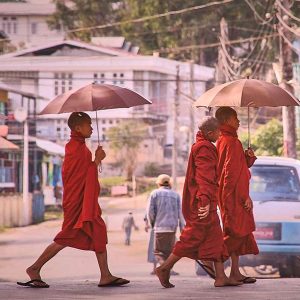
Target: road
point(73, 274)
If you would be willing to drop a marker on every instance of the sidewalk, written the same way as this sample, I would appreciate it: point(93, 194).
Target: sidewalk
point(74, 274)
point(186, 288)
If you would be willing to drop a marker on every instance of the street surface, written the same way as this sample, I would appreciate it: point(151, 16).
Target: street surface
point(73, 274)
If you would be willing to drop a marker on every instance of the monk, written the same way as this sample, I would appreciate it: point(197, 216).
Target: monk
point(234, 201)
point(202, 236)
point(83, 228)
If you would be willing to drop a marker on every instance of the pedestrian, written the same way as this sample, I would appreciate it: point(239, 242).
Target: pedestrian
point(150, 253)
point(235, 203)
point(202, 236)
point(164, 215)
point(83, 228)
point(127, 225)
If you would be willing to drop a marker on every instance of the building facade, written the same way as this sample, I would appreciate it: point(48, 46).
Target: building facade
point(54, 68)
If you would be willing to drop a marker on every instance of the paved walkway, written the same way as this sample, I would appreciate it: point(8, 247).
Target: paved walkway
point(73, 274)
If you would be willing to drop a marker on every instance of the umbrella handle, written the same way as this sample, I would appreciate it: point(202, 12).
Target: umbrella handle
point(100, 165)
point(249, 140)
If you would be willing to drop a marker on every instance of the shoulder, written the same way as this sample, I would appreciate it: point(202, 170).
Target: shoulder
point(203, 148)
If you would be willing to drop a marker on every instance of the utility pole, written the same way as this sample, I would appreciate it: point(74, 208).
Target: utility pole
point(192, 95)
point(286, 66)
point(175, 129)
point(220, 75)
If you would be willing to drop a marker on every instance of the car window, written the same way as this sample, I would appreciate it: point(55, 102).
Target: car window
point(274, 181)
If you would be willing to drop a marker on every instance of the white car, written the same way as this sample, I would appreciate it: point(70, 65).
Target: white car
point(275, 191)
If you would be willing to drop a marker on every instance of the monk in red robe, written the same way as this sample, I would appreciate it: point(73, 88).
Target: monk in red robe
point(83, 228)
point(202, 237)
point(235, 203)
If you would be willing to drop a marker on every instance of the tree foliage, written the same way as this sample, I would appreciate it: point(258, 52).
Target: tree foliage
point(125, 141)
point(267, 139)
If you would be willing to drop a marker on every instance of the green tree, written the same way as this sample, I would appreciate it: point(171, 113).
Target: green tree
point(125, 141)
point(268, 139)
point(85, 13)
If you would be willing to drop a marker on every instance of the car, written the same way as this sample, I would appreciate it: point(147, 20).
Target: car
point(275, 191)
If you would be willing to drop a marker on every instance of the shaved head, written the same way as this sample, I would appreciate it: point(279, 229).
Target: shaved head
point(223, 114)
point(78, 118)
point(208, 124)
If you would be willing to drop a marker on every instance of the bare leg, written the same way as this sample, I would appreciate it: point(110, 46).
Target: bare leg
point(34, 270)
point(163, 272)
point(235, 271)
point(221, 278)
point(106, 276)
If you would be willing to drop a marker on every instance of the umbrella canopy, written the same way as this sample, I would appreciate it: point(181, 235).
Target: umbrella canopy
point(246, 93)
point(94, 97)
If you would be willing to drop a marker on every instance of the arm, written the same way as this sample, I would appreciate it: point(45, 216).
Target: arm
point(151, 210)
point(205, 175)
point(232, 171)
point(180, 216)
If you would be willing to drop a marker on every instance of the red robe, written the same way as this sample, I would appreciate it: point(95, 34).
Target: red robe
point(201, 239)
point(233, 169)
point(83, 228)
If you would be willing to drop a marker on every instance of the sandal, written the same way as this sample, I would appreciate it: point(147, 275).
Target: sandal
point(115, 282)
point(32, 285)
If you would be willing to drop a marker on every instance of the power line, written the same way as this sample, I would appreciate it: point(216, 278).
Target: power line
point(138, 20)
point(287, 11)
point(213, 45)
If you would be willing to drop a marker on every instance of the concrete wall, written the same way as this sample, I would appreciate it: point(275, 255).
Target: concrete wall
point(12, 211)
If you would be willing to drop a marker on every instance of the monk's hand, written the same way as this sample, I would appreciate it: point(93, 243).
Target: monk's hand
point(203, 211)
point(99, 155)
point(249, 152)
point(248, 205)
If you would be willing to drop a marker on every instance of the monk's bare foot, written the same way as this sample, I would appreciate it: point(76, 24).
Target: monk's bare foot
point(113, 279)
point(220, 282)
point(34, 273)
point(164, 277)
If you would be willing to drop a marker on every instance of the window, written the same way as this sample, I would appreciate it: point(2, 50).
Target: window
point(103, 121)
point(63, 82)
point(102, 78)
point(33, 28)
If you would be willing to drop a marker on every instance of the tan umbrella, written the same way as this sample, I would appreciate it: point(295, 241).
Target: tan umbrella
point(93, 97)
point(246, 93)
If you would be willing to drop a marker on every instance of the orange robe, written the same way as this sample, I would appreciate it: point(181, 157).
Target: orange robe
point(233, 169)
point(201, 239)
point(83, 228)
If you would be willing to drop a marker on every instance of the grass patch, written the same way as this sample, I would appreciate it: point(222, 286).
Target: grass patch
point(53, 212)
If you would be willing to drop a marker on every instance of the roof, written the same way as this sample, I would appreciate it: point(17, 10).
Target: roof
point(7, 145)
point(50, 147)
point(50, 48)
point(9, 89)
point(45, 8)
point(277, 160)
point(47, 146)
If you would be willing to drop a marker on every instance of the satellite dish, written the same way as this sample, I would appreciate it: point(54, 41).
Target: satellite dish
point(20, 114)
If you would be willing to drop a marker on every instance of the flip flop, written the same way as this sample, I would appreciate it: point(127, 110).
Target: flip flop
point(32, 285)
point(210, 271)
point(248, 280)
point(115, 282)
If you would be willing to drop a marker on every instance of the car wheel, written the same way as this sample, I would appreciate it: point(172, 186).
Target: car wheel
point(296, 266)
point(286, 269)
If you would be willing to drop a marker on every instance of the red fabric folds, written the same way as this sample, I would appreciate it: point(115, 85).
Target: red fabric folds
point(238, 223)
point(83, 228)
point(201, 239)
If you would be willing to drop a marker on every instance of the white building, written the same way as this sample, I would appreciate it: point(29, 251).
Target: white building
point(54, 68)
point(25, 23)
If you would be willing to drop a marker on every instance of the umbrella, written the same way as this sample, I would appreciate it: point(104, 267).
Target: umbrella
point(246, 93)
point(94, 97)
